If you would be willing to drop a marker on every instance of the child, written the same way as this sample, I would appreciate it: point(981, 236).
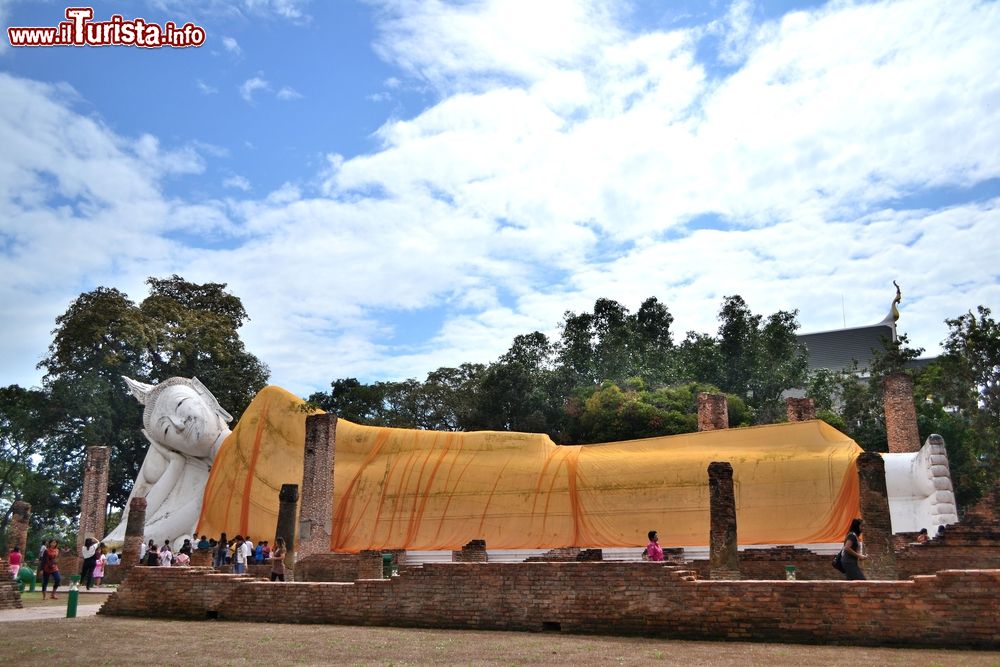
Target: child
point(102, 560)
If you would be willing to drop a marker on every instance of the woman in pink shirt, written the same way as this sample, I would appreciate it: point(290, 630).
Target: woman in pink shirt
point(14, 561)
point(653, 550)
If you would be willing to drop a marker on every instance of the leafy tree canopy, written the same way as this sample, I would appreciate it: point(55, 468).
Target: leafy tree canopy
point(179, 329)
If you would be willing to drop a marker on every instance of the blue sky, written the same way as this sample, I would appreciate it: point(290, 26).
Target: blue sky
point(393, 186)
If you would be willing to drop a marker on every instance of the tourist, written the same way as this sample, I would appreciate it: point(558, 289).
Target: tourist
point(266, 551)
point(166, 556)
point(204, 544)
point(240, 556)
point(278, 560)
point(114, 559)
point(89, 553)
point(248, 551)
point(145, 552)
point(221, 551)
point(182, 559)
point(653, 551)
point(14, 561)
point(152, 555)
point(186, 548)
point(143, 548)
point(99, 564)
point(922, 536)
point(50, 567)
point(258, 553)
point(853, 552)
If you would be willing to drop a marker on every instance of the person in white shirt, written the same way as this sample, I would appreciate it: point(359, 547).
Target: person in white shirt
point(166, 558)
point(115, 559)
point(89, 553)
point(240, 556)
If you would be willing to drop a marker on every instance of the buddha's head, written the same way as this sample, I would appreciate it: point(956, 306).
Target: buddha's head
point(181, 414)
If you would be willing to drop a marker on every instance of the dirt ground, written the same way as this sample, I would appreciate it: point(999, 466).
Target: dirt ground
point(125, 641)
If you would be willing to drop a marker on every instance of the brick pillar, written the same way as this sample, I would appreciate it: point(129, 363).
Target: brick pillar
point(800, 409)
point(316, 506)
point(288, 505)
point(900, 413)
point(20, 513)
point(713, 412)
point(877, 531)
point(94, 497)
point(201, 558)
point(723, 560)
point(135, 531)
point(473, 552)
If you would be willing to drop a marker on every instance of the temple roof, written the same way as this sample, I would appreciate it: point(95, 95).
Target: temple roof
point(837, 349)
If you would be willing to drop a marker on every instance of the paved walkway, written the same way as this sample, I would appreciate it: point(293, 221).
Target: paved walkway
point(84, 607)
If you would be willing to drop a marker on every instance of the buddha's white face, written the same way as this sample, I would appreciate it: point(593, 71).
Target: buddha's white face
point(181, 421)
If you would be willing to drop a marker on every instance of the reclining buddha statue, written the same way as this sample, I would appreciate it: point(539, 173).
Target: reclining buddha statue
point(796, 483)
point(185, 427)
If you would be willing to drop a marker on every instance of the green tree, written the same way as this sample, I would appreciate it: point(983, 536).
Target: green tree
point(614, 344)
point(959, 397)
point(22, 415)
point(759, 358)
point(515, 391)
point(613, 412)
point(181, 328)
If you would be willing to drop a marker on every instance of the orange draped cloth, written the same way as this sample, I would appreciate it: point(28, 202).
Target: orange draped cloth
point(794, 483)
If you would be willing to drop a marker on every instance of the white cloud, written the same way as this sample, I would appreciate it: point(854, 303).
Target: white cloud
point(238, 182)
point(231, 45)
point(251, 86)
point(288, 93)
point(205, 89)
point(578, 165)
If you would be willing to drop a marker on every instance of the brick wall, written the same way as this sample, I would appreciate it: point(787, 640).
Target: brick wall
point(473, 552)
point(959, 547)
point(900, 413)
point(339, 567)
point(952, 608)
point(765, 564)
point(93, 495)
point(10, 597)
point(713, 412)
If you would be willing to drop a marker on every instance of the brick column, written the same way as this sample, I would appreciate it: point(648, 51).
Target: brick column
point(288, 505)
point(473, 552)
point(723, 560)
point(94, 496)
point(800, 409)
point(900, 413)
point(713, 412)
point(316, 506)
point(877, 530)
point(20, 513)
point(200, 558)
point(135, 531)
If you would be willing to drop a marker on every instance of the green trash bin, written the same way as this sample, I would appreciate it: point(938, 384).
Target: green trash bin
point(26, 579)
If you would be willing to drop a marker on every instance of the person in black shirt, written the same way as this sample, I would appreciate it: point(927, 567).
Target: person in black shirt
point(853, 552)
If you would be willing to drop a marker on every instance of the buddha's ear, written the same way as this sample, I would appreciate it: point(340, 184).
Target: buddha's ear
point(139, 389)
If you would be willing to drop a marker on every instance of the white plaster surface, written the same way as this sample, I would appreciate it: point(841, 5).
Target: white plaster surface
point(919, 488)
point(185, 427)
